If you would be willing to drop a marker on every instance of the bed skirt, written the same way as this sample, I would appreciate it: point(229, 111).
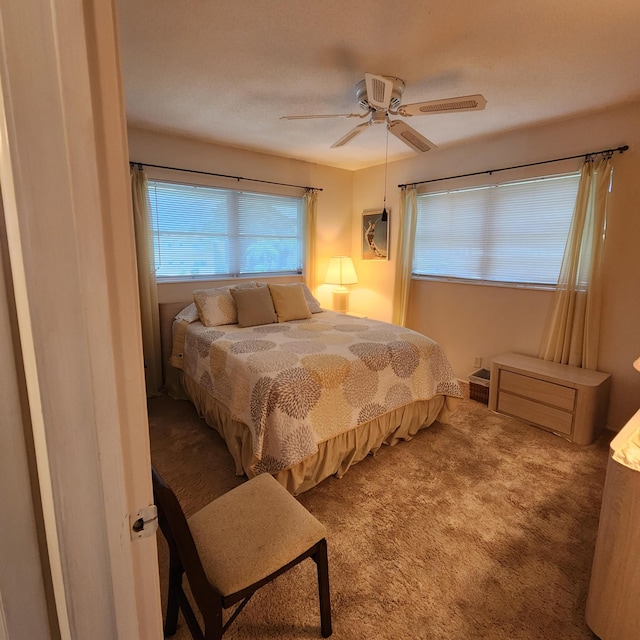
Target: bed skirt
point(334, 456)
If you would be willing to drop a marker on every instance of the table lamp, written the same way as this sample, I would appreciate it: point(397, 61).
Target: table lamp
point(340, 272)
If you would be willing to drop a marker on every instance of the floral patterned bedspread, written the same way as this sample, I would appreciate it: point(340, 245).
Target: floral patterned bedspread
point(296, 384)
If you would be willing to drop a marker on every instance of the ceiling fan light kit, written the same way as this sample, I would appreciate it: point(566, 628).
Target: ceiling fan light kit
point(381, 96)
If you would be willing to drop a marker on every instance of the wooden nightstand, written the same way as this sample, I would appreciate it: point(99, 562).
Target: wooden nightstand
point(569, 401)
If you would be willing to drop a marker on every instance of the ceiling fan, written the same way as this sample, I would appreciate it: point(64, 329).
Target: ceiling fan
point(380, 96)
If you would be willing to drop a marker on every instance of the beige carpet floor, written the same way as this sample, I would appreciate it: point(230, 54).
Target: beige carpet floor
point(483, 528)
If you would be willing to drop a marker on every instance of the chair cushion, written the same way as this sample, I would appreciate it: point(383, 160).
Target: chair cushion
point(250, 532)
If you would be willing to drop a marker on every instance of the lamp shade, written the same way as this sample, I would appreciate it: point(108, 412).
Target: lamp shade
point(341, 271)
point(636, 364)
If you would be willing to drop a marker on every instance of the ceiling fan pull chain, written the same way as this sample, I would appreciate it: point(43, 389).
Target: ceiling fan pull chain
point(384, 216)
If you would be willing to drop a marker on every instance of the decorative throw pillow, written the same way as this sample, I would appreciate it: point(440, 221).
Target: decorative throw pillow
point(189, 314)
point(289, 301)
point(312, 302)
point(254, 306)
point(216, 306)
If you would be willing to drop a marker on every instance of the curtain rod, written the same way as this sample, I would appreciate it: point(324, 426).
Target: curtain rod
point(222, 175)
point(520, 166)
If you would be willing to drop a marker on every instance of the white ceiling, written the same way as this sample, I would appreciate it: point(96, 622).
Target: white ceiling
point(225, 71)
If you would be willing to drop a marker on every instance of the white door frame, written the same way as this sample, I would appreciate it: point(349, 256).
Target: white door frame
point(23, 577)
point(67, 212)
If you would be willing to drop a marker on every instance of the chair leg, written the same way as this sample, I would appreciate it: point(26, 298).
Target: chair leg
point(212, 618)
point(173, 602)
point(321, 559)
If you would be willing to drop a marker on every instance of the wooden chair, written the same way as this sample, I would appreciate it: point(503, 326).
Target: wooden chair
point(232, 547)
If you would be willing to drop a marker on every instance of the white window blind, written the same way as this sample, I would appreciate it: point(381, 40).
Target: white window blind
point(204, 231)
point(514, 232)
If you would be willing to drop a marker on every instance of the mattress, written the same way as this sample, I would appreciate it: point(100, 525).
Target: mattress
point(308, 398)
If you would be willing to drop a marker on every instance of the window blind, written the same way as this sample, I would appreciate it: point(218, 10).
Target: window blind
point(201, 232)
point(513, 232)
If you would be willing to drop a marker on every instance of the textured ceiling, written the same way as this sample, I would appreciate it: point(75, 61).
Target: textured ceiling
point(225, 71)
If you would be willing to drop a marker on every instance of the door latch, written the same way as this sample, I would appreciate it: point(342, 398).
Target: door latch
point(144, 523)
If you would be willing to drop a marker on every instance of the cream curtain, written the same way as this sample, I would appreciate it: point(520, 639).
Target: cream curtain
point(572, 331)
point(310, 238)
point(407, 231)
point(147, 282)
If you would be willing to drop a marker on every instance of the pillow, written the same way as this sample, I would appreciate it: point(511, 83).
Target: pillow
point(312, 302)
point(189, 314)
point(216, 306)
point(289, 301)
point(254, 306)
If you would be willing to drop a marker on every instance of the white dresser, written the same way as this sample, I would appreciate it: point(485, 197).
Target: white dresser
point(568, 401)
point(613, 605)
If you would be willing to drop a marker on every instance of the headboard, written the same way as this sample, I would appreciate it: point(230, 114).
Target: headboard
point(168, 311)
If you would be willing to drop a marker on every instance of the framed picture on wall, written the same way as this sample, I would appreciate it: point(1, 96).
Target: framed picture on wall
point(375, 234)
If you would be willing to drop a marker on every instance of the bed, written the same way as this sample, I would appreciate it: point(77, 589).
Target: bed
point(305, 399)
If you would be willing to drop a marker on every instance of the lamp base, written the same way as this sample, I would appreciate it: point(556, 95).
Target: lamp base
point(341, 299)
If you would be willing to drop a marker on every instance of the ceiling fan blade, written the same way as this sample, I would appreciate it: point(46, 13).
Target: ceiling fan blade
point(356, 131)
point(448, 105)
point(331, 115)
point(410, 136)
point(379, 91)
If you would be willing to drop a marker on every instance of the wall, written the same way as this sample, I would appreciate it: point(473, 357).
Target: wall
point(334, 202)
point(470, 320)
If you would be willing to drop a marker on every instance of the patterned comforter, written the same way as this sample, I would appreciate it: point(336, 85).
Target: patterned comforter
point(296, 384)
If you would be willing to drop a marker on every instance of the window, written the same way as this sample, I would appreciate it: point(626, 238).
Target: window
point(514, 232)
point(201, 232)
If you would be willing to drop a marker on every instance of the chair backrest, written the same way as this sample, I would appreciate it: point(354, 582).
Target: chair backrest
point(182, 548)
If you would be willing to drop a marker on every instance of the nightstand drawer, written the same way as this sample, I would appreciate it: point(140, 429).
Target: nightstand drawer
point(540, 414)
point(538, 390)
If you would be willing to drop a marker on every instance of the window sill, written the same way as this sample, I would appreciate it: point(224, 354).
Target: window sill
point(486, 283)
point(242, 278)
